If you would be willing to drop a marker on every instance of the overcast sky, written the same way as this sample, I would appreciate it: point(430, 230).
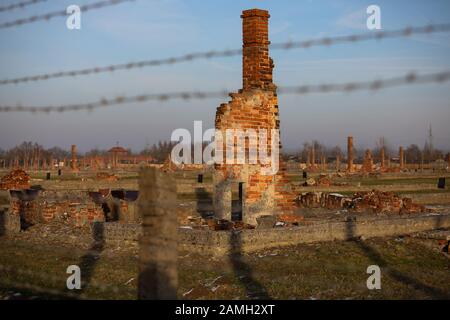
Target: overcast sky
point(151, 29)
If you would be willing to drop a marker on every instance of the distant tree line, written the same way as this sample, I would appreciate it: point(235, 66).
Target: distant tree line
point(413, 153)
point(159, 151)
point(28, 153)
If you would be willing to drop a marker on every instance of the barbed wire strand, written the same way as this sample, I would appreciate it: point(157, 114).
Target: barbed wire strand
point(376, 85)
point(379, 35)
point(62, 13)
point(17, 5)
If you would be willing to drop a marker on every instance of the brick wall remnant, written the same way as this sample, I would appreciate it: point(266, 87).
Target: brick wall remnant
point(105, 176)
point(9, 222)
point(40, 206)
point(254, 107)
point(374, 201)
point(323, 181)
point(16, 179)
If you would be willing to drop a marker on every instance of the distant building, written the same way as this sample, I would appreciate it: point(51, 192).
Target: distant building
point(120, 157)
point(117, 154)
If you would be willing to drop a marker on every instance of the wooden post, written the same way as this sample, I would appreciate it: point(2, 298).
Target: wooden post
point(158, 276)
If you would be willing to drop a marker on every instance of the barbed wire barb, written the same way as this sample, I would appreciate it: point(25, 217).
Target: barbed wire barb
point(21, 4)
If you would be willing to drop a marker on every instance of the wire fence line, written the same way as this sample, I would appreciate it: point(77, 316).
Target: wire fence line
point(61, 13)
point(17, 5)
point(349, 87)
point(328, 41)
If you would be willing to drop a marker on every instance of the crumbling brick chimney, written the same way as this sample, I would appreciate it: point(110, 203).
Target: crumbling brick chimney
point(254, 107)
point(338, 162)
point(401, 155)
point(74, 162)
point(368, 161)
point(350, 154)
point(257, 66)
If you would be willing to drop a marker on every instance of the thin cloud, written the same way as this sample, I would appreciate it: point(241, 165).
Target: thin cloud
point(354, 20)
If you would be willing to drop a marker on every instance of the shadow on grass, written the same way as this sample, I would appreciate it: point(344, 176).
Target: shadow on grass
point(33, 294)
point(242, 270)
point(156, 284)
point(2, 222)
point(204, 202)
point(378, 260)
point(89, 260)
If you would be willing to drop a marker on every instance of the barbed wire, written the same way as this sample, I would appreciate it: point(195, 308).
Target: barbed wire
point(349, 87)
point(410, 78)
point(379, 35)
point(18, 5)
point(62, 13)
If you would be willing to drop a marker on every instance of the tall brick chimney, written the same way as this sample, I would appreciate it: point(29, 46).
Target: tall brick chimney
point(257, 66)
point(73, 163)
point(350, 154)
point(401, 155)
point(254, 107)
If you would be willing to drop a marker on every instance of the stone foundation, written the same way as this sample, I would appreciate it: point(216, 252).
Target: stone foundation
point(9, 223)
point(218, 243)
point(79, 208)
point(117, 232)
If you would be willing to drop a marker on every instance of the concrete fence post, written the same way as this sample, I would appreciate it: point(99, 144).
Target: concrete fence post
point(158, 277)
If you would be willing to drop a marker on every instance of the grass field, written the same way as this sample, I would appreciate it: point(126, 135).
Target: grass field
point(411, 269)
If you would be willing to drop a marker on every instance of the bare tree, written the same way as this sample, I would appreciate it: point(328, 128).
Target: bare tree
point(381, 143)
point(159, 151)
point(413, 154)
